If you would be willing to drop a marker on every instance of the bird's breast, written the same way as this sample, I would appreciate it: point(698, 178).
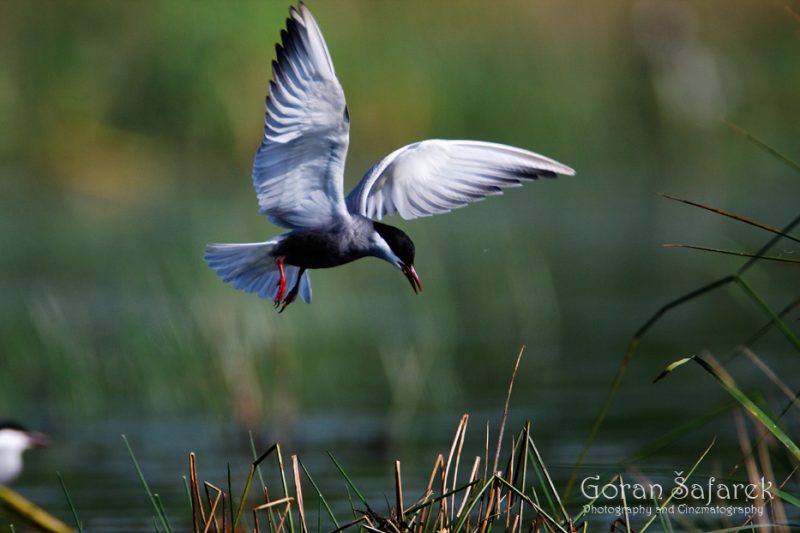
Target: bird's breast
point(324, 248)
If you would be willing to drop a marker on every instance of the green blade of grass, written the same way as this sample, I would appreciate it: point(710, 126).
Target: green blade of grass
point(231, 503)
point(672, 366)
point(285, 485)
point(625, 513)
point(319, 495)
point(350, 501)
point(418, 507)
point(159, 510)
point(475, 499)
point(188, 492)
point(666, 526)
point(550, 488)
point(349, 481)
point(769, 244)
point(738, 218)
point(78, 523)
point(540, 478)
point(675, 490)
point(668, 438)
point(789, 498)
point(732, 252)
point(623, 366)
point(256, 458)
point(791, 306)
point(754, 410)
point(769, 312)
point(253, 467)
point(763, 145)
point(552, 521)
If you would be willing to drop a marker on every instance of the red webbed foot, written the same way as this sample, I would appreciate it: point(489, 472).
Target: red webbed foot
point(292, 293)
point(281, 283)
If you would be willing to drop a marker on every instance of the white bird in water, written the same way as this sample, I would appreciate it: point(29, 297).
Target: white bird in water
point(298, 175)
point(14, 440)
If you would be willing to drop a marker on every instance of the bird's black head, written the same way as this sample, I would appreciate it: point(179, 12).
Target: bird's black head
point(11, 424)
point(398, 241)
point(34, 438)
point(402, 247)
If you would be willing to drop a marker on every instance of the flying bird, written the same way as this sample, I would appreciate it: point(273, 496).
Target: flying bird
point(298, 176)
point(14, 440)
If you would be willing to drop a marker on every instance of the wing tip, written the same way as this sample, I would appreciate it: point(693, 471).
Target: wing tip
point(565, 170)
point(300, 13)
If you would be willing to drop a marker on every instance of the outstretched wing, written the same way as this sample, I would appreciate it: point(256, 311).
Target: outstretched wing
point(299, 168)
point(435, 176)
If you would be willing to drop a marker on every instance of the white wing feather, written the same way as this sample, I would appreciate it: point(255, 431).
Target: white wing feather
point(299, 168)
point(435, 176)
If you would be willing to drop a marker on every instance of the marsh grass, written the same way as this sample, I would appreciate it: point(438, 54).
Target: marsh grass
point(465, 493)
point(517, 492)
point(737, 278)
point(753, 403)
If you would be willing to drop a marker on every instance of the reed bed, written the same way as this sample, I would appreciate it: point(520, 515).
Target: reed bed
point(513, 490)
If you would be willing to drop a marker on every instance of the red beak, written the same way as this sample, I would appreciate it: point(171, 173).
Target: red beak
point(39, 439)
point(412, 277)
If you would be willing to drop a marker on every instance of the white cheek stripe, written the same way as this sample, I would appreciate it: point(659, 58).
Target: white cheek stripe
point(385, 252)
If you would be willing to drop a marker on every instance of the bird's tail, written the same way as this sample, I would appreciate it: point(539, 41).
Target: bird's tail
point(251, 267)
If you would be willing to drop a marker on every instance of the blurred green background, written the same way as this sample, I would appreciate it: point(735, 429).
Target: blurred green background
point(128, 130)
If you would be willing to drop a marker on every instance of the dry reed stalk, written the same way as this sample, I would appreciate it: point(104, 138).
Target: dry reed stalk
point(458, 437)
point(511, 482)
point(268, 507)
point(350, 524)
point(767, 371)
point(398, 483)
point(197, 502)
point(463, 429)
point(472, 478)
point(523, 456)
point(429, 490)
point(749, 462)
point(505, 410)
point(192, 483)
point(485, 522)
point(299, 492)
point(212, 514)
point(778, 511)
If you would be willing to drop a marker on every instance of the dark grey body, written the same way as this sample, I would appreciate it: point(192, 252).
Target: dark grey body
point(327, 247)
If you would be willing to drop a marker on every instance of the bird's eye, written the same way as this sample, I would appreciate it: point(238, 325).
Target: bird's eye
point(346, 115)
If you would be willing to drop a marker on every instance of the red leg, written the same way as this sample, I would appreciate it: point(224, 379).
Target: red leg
point(292, 293)
point(282, 283)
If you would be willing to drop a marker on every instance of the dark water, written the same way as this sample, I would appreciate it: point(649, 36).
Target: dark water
point(103, 484)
